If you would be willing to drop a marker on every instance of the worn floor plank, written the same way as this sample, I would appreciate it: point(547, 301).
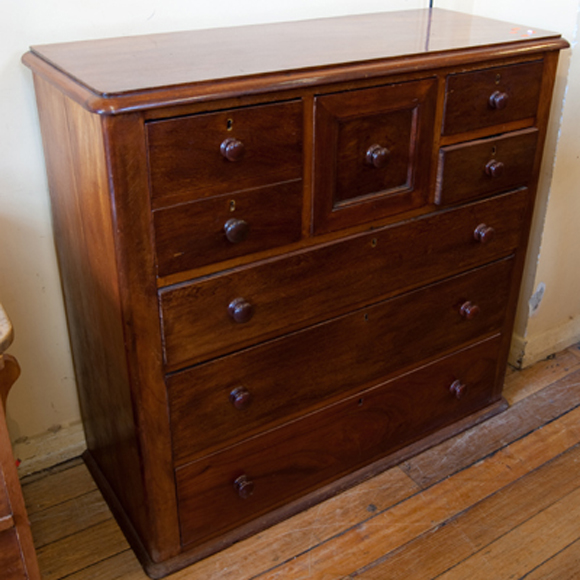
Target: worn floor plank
point(565, 565)
point(472, 445)
point(442, 548)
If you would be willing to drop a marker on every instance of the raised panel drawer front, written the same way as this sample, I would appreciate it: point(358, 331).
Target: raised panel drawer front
point(242, 482)
point(492, 96)
point(212, 230)
point(201, 319)
point(216, 153)
point(306, 369)
point(372, 153)
point(486, 166)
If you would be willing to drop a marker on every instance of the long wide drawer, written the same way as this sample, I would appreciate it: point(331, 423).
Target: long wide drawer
point(288, 293)
point(243, 482)
point(234, 397)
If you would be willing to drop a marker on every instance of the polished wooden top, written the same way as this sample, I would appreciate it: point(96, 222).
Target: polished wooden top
point(118, 65)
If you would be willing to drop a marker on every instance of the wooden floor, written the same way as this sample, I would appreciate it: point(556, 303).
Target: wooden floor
point(499, 501)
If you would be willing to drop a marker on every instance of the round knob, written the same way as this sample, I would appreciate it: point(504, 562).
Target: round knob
point(483, 233)
point(244, 486)
point(232, 149)
point(469, 310)
point(240, 310)
point(494, 168)
point(498, 100)
point(377, 156)
point(236, 230)
point(458, 389)
point(240, 398)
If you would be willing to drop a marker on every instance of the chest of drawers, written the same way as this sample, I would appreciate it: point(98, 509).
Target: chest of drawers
point(290, 254)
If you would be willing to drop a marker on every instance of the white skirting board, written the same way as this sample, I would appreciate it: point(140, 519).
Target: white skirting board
point(525, 352)
point(48, 449)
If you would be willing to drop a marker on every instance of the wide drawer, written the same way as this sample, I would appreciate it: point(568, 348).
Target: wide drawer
point(493, 96)
point(215, 153)
point(212, 230)
point(486, 166)
point(243, 482)
point(276, 296)
point(232, 398)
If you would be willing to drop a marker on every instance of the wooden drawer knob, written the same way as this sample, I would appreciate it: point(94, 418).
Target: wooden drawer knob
point(377, 156)
point(240, 398)
point(494, 168)
point(469, 310)
point(240, 310)
point(483, 233)
point(232, 149)
point(458, 389)
point(244, 486)
point(236, 230)
point(498, 100)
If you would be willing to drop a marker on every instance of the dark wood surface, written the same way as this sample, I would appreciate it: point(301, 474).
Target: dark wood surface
point(485, 166)
point(268, 192)
point(305, 370)
point(197, 326)
point(287, 462)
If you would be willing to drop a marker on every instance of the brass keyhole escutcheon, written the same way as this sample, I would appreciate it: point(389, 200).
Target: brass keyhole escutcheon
point(233, 205)
point(229, 124)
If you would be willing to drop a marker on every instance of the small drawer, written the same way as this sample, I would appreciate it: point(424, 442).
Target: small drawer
point(245, 481)
point(234, 397)
point(203, 232)
point(493, 96)
point(372, 153)
point(479, 168)
point(215, 153)
point(221, 313)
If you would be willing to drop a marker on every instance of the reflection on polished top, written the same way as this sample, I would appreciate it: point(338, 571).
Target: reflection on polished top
point(120, 65)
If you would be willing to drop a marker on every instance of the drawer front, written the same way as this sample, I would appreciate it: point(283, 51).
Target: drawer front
point(372, 153)
point(493, 96)
point(215, 153)
point(11, 563)
point(291, 292)
point(487, 166)
point(234, 397)
point(203, 232)
point(243, 482)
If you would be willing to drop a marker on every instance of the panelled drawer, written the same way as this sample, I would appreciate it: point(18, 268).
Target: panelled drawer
point(293, 291)
point(486, 166)
point(493, 96)
point(211, 154)
point(372, 153)
point(233, 397)
point(203, 232)
point(242, 482)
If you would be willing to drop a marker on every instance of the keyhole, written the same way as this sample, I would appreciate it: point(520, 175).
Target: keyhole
point(360, 402)
point(366, 317)
point(233, 205)
point(497, 79)
point(230, 124)
point(494, 150)
point(374, 242)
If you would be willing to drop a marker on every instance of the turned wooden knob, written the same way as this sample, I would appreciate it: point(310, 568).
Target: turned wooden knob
point(469, 310)
point(377, 156)
point(244, 486)
point(458, 389)
point(232, 149)
point(240, 310)
point(494, 168)
point(498, 100)
point(236, 230)
point(484, 233)
point(240, 398)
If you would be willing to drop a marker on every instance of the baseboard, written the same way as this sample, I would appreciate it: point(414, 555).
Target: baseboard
point(49, 449)
point(536, 347)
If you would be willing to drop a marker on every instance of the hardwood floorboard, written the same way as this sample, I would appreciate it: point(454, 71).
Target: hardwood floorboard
point(500, 491)
point(443, 547)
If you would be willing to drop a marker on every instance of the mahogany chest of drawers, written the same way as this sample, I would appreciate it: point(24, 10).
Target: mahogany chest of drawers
point(290, 254)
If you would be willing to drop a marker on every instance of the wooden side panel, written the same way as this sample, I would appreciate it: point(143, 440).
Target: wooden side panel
point(83, 231)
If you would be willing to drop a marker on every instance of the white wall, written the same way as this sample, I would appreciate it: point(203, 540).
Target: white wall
point(44, 398)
